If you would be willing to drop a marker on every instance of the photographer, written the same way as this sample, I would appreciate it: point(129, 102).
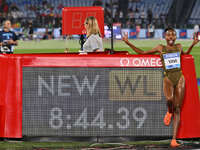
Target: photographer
point(8, 38)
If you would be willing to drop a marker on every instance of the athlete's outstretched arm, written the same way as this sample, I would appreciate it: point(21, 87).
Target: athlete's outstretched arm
point(195, 41)
point(139, 51)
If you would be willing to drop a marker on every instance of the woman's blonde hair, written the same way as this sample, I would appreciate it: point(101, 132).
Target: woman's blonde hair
point(93, 27)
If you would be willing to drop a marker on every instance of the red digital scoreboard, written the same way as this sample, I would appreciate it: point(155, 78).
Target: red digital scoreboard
point(73, 19)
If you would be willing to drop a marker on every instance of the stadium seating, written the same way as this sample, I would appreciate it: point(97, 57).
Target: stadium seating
point(195, 15)
point(157, 6)
point(22, 3)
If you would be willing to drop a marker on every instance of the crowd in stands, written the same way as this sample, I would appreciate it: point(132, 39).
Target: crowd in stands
point(47, 13)
point(24, 13)
point(141, 12)
point(195, 15)
point(30, 14)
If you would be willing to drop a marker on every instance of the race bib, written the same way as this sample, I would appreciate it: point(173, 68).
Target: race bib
point(172, 60)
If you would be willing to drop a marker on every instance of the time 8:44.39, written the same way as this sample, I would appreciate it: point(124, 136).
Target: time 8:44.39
point(126, 116)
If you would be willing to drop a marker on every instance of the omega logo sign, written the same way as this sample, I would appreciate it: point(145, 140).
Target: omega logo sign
point(141, 62)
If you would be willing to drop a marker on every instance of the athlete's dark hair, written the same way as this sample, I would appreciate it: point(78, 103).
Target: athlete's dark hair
point(169, 28)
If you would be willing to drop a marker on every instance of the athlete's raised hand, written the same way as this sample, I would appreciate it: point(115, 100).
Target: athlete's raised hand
point(196, 39)
point(125, 37)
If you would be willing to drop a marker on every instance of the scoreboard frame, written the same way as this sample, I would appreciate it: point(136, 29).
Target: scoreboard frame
point(11, 95)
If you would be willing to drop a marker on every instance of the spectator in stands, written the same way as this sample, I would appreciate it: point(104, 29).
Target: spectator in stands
point(196, 30)
point(137, 16)
point(97, 3)
point(60, 7)
point(108, 15)
point(129, 24)
point(149, 15)
point(121, 16)
point(46, 34)
point(31, 30)
point(8, 38)
point(115, 7)
point(143, 16)
point(14, 7)
point(4, 7)
point(131, 15)
point(163, 19)
point(151, 30)
point(174, 81)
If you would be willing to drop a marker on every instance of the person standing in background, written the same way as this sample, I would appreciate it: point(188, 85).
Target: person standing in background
point(149, 16)
point(31, 30)
point(97, 3)
point(93, 41)
point(196, 30)
point(151, 30)
point(8, 38)
point(137, 30)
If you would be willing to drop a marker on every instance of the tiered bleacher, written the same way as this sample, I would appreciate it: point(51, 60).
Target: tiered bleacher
point(131, 14)
point(195, 15)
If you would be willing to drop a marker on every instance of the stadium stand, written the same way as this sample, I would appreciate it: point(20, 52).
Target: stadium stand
point(158, 6)
point(195, 15)
point(37, 8)
point(48, 13)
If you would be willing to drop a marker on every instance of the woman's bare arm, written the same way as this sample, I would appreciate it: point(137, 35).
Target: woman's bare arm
point(138, 50)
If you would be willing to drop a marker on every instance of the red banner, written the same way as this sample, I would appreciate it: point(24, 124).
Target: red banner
point(74, 17)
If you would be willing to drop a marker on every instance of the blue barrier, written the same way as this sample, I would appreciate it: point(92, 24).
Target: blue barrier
point(117, 30)
point(198, 81)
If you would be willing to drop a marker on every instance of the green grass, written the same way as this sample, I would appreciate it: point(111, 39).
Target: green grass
point(37, 145)
point(58, 46)
point(21, 145)
point(142, 144)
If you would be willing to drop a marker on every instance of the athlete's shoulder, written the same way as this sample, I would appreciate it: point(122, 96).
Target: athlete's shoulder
point(160, 47)
point(178, 45)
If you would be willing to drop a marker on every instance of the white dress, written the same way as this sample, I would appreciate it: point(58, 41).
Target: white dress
point(93, 42)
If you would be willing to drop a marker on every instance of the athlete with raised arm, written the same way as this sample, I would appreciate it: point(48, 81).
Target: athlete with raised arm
point(174, 81)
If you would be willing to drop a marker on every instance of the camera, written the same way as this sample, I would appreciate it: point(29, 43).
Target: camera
point(5, 47)
point(5, 43)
